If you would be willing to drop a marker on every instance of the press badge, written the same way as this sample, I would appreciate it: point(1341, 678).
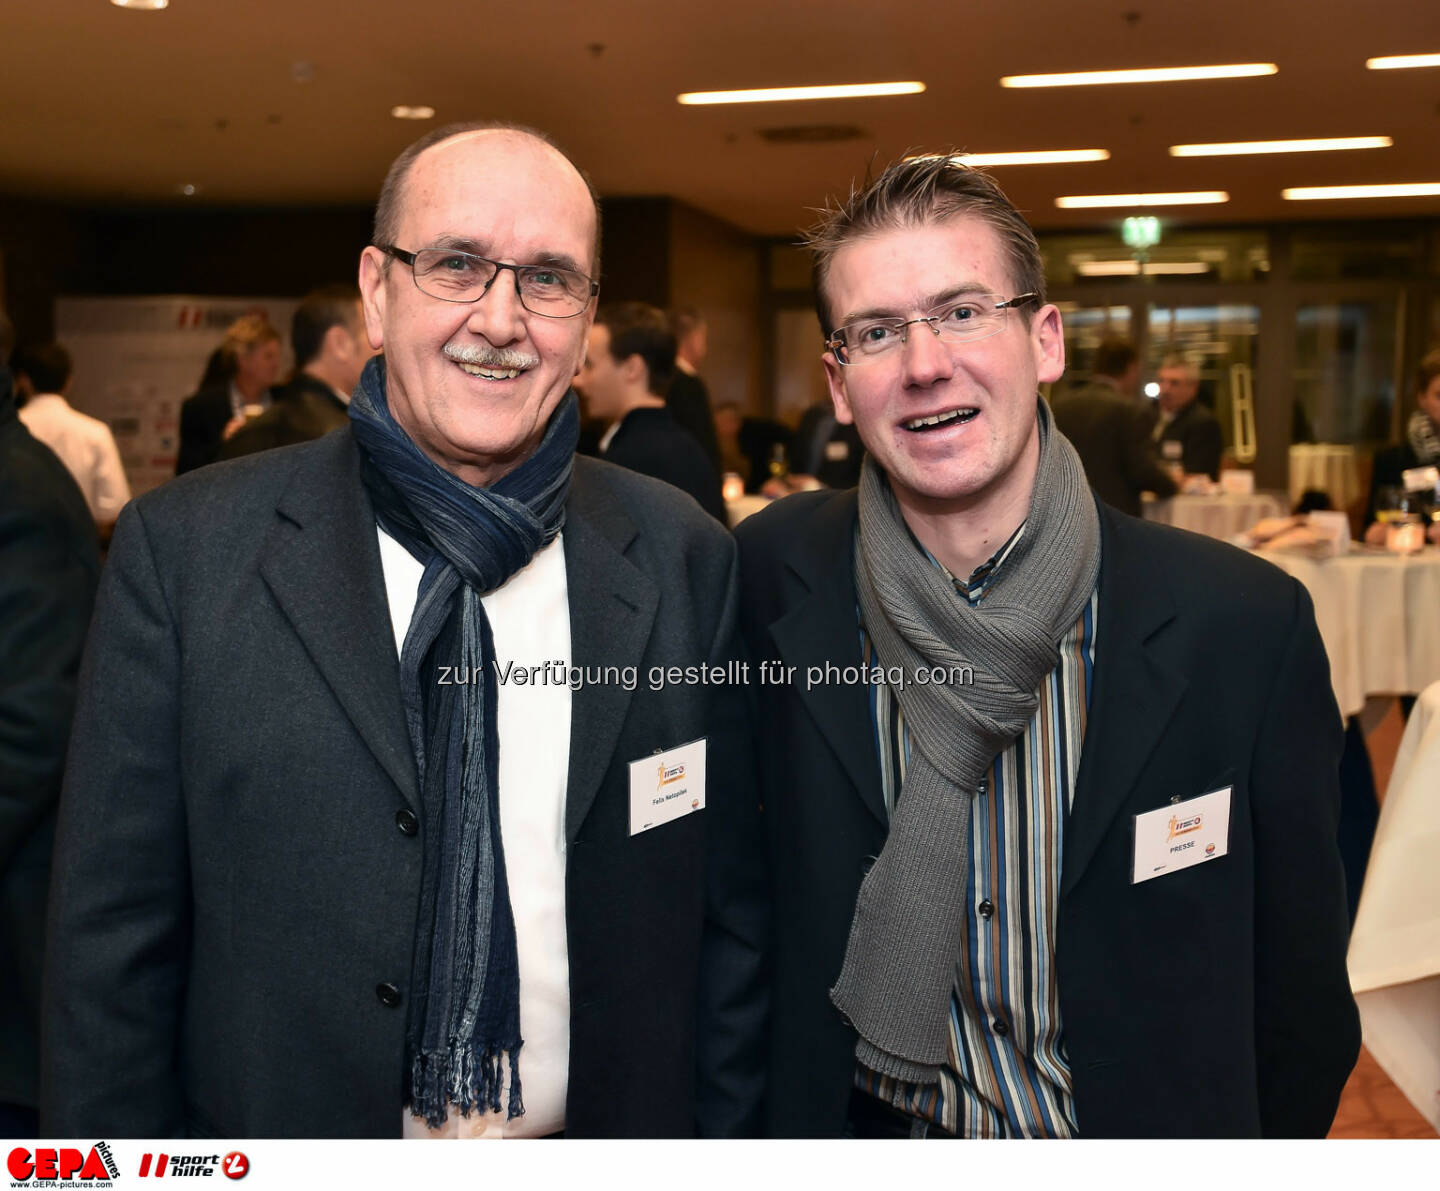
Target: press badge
point(1171, 449)
point(1181, 835)
point(667, 786)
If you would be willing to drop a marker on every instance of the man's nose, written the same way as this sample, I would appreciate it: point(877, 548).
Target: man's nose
point(926, 357)
point(497, 314)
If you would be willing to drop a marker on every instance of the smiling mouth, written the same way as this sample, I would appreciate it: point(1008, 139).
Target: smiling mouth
point(489, 373)
point(935, 421)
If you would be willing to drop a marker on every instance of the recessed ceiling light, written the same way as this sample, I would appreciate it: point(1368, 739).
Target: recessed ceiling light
point(1163, 74)
point(781, 94)
point(1315, 145)
point(1133, 269)
point(1402, 62)
point(403, 111)
point(142, 5)
point(1183, 198)
point(1394, 190)
point(189, 189)
point(1036, 157)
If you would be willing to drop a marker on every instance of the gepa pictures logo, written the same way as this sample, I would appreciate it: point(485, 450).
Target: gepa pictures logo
point(48, 1164)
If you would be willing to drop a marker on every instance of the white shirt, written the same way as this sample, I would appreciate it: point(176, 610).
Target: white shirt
point(86, 448)
point(530, 619)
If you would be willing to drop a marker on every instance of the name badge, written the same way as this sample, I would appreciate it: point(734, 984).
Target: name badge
point(1171, 449)
point(1181, 835)
point(837, 451)
point(667, 786)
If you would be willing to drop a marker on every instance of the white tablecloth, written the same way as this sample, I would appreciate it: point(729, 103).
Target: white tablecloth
point(1327, 466)
point(1379, 615)
point(1215, 516)
point(738, 510)
point(1395, 947)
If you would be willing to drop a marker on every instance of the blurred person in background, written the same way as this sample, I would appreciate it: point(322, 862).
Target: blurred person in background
point(251, 356)
point(49, 567)
point(687, 398)
point(327, 332)
point(1186, 431)
point(1421, 448)
point(728, 422)
point(1106, 427)
point(826, 450)
point(85, 444)
point(627, 370)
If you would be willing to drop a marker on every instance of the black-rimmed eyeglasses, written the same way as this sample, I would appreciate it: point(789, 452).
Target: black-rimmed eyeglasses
point(454, 276)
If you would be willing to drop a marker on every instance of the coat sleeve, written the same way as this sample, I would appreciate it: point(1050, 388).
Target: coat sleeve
point(118, 936)
point(734, 980)
point(1307, 1028)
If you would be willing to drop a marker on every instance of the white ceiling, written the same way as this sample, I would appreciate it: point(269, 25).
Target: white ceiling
point(107, 105)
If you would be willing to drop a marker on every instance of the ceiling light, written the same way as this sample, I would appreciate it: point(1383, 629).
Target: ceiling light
point(189, 189)
point(1402, 62)
point(142, 5)
point(1395, 190)
point(402, 111)
point(1314, 145)
point(778, 94)
point(1132, 268)
point(1163, 74)
point(1183, 198)
point(1036, 157)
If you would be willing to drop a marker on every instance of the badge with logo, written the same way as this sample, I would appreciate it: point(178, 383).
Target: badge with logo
point(1180, 835)
point(667, 786)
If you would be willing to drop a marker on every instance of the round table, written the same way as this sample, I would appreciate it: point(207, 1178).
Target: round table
point(1220, 516)
point(1379, 616)
point(1394, 956)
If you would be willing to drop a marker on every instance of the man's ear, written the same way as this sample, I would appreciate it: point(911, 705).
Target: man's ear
point(372, 294)
point(1047, 340)
point(835, 382)
point(634, 371)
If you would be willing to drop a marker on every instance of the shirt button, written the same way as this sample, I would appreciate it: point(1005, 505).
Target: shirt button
point(1000, 1028)
point(983, 789)
point(389, 995)
point(407, 822)
point(986, 908)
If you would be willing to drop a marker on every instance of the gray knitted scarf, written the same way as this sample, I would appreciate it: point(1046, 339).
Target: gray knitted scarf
point(899, 969)
point(1424, 437)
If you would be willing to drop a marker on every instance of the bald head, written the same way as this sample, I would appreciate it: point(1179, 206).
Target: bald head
point(394, 191)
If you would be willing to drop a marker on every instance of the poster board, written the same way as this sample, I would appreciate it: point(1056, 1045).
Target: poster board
point(137, 358)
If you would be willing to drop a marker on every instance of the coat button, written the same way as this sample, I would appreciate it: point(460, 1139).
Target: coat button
point(407, 822)
point(986, 908)
point(389, 995)
point(1000, 1028)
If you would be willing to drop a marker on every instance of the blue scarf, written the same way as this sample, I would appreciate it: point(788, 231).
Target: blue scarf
point(465, 1008)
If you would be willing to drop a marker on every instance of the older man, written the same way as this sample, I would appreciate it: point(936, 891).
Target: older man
point(387, 811)
point(1051, 791)
point(1185, 430)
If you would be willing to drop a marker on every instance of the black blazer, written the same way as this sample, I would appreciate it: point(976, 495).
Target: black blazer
point(650, 442)
point(1210, 1002)
point(689, 404)
point(1109, 435)
point(231, 886)
point(1390, 464)
point(203, 418)
point(304, 409)
point(1197, 431)
point(49, 566)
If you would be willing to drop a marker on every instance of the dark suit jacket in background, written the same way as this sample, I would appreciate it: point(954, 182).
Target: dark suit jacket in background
point(1110, 436)
point(1387, 471)
point(303, 410)
point(232, 884)
point(49, 566)
point(1212, 1001)
point(827, 449)
point(689, 404)
point(203, 418)
point(649, 441)
point(1198, 433)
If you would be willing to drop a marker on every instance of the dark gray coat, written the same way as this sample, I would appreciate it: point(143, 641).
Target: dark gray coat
point(232, 884)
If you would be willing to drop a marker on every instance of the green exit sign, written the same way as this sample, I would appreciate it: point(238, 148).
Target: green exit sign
point(1140, 232)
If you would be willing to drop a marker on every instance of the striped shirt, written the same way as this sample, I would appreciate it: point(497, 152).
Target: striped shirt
point(1007, 1074)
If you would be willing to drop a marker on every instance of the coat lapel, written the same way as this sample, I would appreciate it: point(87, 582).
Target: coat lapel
point(322, 563)
point(612, 612)
point(1135, 694)
point(824, 627)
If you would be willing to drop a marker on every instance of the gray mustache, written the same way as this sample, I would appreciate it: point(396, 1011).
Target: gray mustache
point(490, 357)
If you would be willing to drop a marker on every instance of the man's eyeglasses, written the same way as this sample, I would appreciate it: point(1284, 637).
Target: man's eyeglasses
point(454, 276)
point(976, 316)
